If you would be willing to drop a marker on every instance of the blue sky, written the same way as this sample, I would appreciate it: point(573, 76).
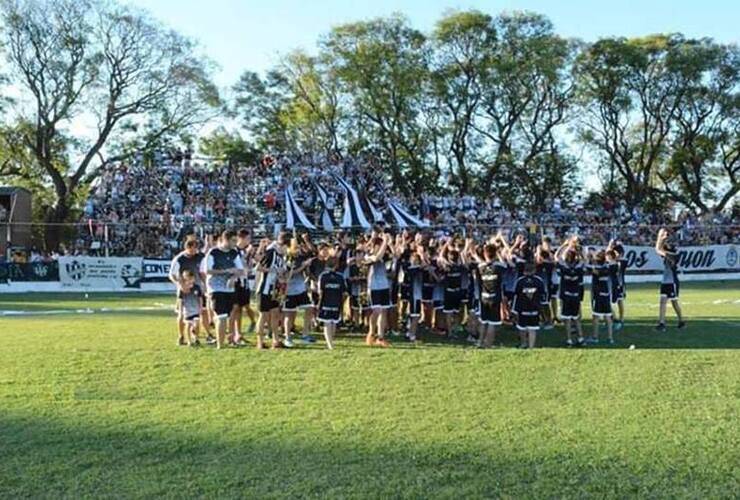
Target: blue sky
point(251, 34)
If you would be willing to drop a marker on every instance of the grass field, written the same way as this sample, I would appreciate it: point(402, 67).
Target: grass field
point(102, 404)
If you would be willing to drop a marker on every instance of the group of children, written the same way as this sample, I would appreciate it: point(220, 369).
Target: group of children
point(409, 281)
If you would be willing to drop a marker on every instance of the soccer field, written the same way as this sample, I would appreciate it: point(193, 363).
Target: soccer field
point(100, 403)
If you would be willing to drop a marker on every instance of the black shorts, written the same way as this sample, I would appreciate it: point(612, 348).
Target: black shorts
point(329, 314)
point(452, 301)
point(267, 303)
point(554, 289)
point(489, 312)
point(295, 302)
point(222, 303)
point(192, 318)
point(619, 294)
point(394, 294)
point(405, 291)
point(570, 308)
point(669, 290)
point(528, 321)
point(380, 299)
point(241, 296)
point(427, 292)
point(601, 306)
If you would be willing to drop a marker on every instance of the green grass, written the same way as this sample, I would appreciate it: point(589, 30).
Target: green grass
point(104, 405)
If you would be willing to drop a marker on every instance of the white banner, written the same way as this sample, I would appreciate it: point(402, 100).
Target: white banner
point(157, 269)
point(100, 272)
point(709, 258)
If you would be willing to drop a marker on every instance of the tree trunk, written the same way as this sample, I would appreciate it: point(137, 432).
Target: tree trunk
point(54, 232)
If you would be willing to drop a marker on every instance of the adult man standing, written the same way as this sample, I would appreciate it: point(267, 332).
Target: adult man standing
point(669, 286)
point(223, 268)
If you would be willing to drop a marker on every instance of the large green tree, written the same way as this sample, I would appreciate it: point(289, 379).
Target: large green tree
point(702, 170)
point(79, 61)
point(383, 65)
point(662, 113)
point(464, 46)
point(525, 103)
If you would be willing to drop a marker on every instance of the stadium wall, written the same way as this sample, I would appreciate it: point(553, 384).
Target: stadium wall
point(137, 274)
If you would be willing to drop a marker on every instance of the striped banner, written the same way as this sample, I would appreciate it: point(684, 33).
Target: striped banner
point(326, 219)
point(403, 218)
point(353, 216)
point(295, 217)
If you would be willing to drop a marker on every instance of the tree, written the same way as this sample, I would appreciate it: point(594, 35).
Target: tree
point(84, 59)
point(261, 104)
point(630, 91)
point(383, 66)
point(464, 52)
point(229, 146)
point(314, 109)
point(525, 100)
point(703, 169)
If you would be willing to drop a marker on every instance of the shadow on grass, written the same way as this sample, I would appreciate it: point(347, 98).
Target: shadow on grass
point(721, 333)
point(45, 458)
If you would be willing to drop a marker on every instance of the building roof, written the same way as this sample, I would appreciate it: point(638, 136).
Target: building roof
point(13, 190)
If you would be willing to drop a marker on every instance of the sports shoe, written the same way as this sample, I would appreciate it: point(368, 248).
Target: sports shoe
point(611, 341)
point(180, 341)
point(548, 326)
point(660, 327)
point(288, 342)
point(308, 339)
point(681, 325)
point(569, 343)
point(210, 340)
point(592, 340)
point(618, 325)
point(277, 345)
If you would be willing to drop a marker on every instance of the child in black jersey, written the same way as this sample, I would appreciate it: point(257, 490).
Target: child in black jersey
point(332, 287)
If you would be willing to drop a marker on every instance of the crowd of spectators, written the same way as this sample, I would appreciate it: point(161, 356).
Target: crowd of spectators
point(145, 206)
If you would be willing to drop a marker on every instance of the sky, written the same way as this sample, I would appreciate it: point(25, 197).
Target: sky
point(251, 34)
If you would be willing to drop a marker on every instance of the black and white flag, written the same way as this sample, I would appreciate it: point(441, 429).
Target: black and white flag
point(294, 215)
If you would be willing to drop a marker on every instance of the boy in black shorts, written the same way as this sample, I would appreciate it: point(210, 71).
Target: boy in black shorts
point(189, 305)
point(528, 295)
point(669, 285)
point(332, 287)
point(491, 275)
point(570, 269)
point(615, 253)
point(601, 295)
